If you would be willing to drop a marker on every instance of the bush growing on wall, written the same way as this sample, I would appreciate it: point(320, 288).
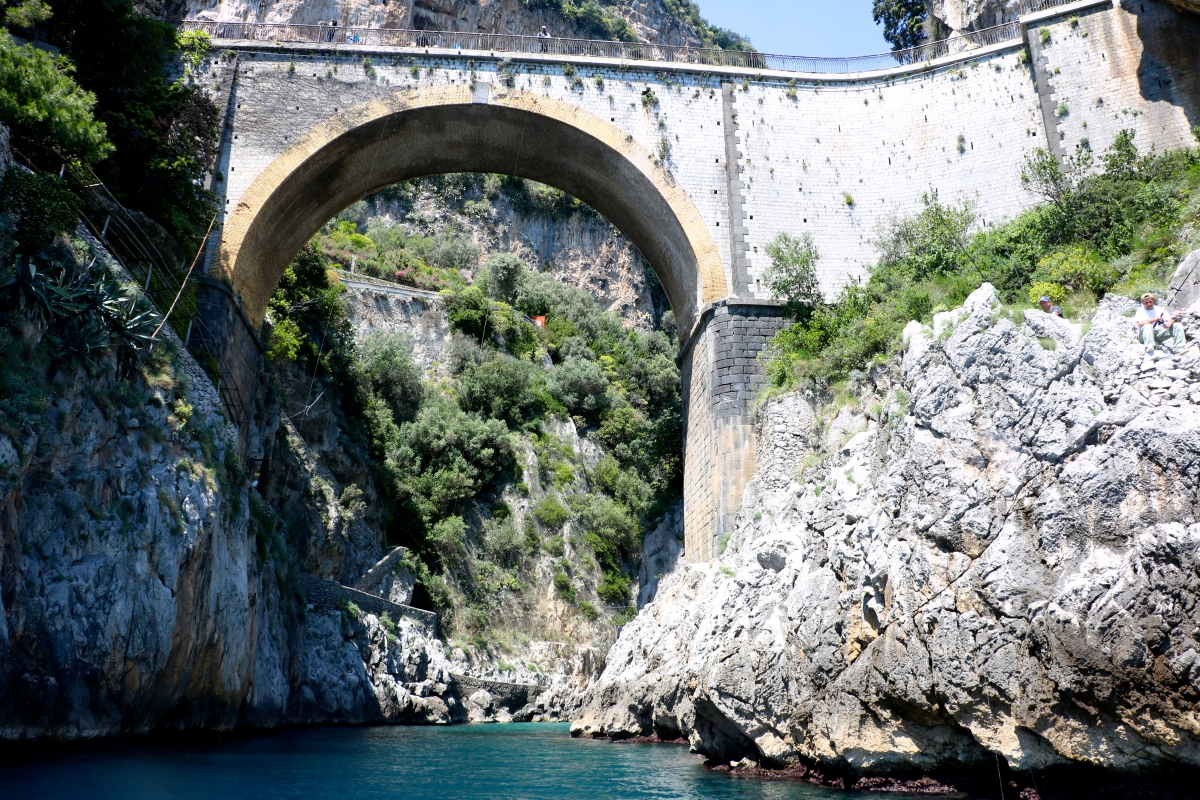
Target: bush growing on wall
point(792, 275)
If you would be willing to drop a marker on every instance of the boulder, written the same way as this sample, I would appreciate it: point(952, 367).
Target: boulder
point(1184, 290)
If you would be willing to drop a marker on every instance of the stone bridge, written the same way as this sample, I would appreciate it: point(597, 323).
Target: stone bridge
point(699, 162)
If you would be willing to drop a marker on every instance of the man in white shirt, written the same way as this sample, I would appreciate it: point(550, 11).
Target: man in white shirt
point(1156, 325)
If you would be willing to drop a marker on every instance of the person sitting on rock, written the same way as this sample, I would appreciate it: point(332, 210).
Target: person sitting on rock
point(1048, 306)
point(1156, 325)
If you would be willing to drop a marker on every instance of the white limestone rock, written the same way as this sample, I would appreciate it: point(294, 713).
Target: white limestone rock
point(972, 15)
point(1184, 291)
point(1007, 561)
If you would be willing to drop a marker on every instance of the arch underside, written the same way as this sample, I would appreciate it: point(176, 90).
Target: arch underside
point(416, 134)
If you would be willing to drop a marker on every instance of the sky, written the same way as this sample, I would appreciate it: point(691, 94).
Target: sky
point(801, 27)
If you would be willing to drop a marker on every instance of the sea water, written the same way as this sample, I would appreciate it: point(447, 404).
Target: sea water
point(470, 762)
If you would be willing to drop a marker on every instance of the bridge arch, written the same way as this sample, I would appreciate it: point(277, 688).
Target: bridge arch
point(467, 128)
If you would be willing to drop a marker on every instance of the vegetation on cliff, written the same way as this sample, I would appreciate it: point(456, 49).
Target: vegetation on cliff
point(445, 453)
point(1115, 226)
point(357, 242)
point(903, 21)
point(152, 138)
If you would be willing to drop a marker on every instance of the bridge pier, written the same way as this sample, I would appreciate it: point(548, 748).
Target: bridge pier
point(721, 375)
point(223, 337)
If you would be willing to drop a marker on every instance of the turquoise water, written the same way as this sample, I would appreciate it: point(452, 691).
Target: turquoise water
point(409, 763)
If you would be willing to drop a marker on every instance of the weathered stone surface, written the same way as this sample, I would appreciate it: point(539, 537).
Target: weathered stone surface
point(1184, 291)
point(1005, 559)
point(972, 15)
point(649, 18)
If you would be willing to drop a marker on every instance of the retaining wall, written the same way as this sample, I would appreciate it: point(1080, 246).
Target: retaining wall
point(329, 595)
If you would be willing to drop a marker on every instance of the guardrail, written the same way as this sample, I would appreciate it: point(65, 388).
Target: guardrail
point(493, 43)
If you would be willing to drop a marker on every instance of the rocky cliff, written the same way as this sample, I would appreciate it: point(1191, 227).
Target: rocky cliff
point(579, 248)
point(993, 550)
point(143, 582)
point(650, 19)
point(961, 16)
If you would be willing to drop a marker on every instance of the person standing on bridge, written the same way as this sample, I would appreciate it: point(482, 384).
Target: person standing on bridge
point(544, 40)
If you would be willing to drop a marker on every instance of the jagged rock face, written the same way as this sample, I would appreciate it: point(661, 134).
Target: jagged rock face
point(974, 15)
point(1005, 558)
point(961, 16)
point(355, 670)
point(648, 17)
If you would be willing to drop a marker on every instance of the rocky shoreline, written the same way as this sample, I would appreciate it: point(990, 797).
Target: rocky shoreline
point(993, 552)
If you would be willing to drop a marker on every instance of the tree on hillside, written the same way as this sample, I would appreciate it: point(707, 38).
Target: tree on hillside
point(903, 21)
point(42, 104)
point(164, 131)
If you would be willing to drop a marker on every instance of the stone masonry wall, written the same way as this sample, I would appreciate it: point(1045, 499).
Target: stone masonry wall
point(1137, 67)
point(699, 445)
point(722, 376)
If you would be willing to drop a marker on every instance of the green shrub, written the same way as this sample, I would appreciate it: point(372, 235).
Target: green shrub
point(562, 584)
point(533, 542)
point(551, 513)
point(504, 274)
point(500, 388)
point(588, 611)
point(449, 537)
point(445, 456)
point(1054, 291)
point(609, 530)
point(477, 618)
point(1078, 268)
point(614, 588)
point(467, 310)
point(580, 385)
point(41, 206)
point(386, 368)
point(503, 544)
point(284, 344)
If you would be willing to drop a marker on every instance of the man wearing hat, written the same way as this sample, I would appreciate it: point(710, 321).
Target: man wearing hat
point(1156, 325)
point(1048, 306)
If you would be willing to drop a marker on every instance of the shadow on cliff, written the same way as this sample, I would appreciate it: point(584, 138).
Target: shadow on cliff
point(1170, 67)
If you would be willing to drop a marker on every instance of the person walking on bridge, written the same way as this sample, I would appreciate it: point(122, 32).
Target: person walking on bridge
point(543, 40)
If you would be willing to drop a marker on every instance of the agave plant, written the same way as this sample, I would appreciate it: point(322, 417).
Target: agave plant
point(84, 340)
point(27, 292)
point(132, 329)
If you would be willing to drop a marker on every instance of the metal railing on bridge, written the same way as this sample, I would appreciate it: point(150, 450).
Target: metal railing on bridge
point(617, 51)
